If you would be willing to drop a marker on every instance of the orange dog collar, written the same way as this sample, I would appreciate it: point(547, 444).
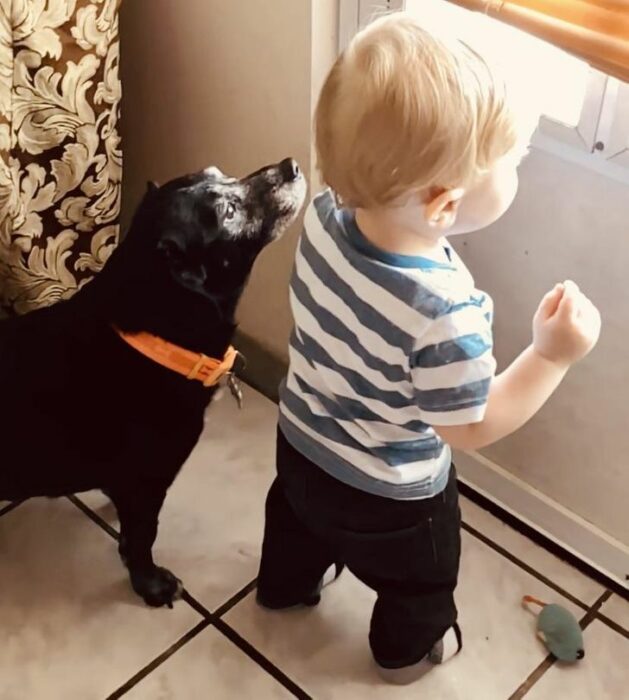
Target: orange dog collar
point(192, 365)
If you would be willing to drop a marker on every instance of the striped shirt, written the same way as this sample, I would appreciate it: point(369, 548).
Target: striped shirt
point(384, 347)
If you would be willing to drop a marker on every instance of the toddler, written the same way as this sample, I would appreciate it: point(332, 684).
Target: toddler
point(391, 361)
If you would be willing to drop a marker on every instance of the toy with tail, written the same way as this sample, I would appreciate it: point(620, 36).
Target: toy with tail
point(559, 630)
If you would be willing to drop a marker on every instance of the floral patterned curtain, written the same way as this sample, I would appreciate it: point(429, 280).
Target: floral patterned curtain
point(60, 157)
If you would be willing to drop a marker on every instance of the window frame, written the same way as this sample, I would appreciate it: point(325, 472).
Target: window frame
point(354, 14)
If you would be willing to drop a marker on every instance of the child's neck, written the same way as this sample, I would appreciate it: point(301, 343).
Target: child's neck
point(399, 231)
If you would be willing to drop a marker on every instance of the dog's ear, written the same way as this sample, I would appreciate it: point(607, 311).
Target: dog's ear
point(151, 186)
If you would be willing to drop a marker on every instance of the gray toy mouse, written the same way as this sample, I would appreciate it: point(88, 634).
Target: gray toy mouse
point(559, 630)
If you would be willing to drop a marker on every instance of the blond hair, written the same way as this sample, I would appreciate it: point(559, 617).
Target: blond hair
point(403, 110)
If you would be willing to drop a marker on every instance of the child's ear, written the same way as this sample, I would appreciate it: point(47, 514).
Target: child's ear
point(442, 207)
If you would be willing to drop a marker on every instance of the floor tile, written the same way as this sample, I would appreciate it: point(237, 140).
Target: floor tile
point(211, 524)
point(209, 666)
point(325, 649)
point(602, 675)
point(555, 569)
point(71, 625)
point(617, 609)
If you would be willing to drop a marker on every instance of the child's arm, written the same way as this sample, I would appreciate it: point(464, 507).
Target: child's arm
point(565, 328)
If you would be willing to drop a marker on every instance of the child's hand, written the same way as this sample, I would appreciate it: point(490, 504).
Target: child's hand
point(566, 326)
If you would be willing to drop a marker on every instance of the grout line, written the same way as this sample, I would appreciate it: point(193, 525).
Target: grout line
point(214, 618)
point(209, 619)
point(93, 517)
point(8, 508)
point(260, 659)
point(159, 660)
point(195, 604)
point(591, 614)
point(541, 540)
point(533, 678)
point(523, 565)
point(185, 595)
point(225, 607)
point(550, 660)
point(234, 600)
point(613, 625)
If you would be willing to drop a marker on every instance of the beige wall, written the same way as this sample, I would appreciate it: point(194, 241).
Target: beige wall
point(230, 84)
point(566, 222)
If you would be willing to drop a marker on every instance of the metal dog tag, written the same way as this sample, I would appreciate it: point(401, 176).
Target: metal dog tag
point(235, 387)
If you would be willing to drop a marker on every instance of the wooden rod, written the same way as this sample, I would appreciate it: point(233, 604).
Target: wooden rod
point(602, 40)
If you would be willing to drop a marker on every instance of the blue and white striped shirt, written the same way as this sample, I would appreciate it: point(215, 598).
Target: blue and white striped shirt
point(384, 347)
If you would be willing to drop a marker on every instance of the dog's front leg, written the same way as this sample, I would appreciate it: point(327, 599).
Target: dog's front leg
point(138, 506)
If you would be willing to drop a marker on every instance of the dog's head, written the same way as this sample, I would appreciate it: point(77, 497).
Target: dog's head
point(209, 228)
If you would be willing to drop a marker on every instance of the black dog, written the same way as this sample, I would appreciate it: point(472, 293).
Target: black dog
point(81, 409)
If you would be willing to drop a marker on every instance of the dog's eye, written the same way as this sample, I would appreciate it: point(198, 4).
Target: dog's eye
point(230, 210)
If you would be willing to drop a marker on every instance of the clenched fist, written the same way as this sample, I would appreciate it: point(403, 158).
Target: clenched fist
point(566, 325)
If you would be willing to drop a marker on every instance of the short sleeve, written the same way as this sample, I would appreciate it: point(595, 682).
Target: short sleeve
point(452, 366)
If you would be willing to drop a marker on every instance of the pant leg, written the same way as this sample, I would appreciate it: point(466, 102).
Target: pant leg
point(407, 551)
point(414, 571)
point(405, 626)
point(294, 560)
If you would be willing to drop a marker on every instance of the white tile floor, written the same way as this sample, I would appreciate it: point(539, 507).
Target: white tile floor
point(73, 630)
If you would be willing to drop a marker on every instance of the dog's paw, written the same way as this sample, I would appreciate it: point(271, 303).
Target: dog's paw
point(158, 587)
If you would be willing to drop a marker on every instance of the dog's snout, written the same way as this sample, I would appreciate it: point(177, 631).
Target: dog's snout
point(289, 169)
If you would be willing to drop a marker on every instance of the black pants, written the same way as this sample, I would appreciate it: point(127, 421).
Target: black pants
point(406, 551)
